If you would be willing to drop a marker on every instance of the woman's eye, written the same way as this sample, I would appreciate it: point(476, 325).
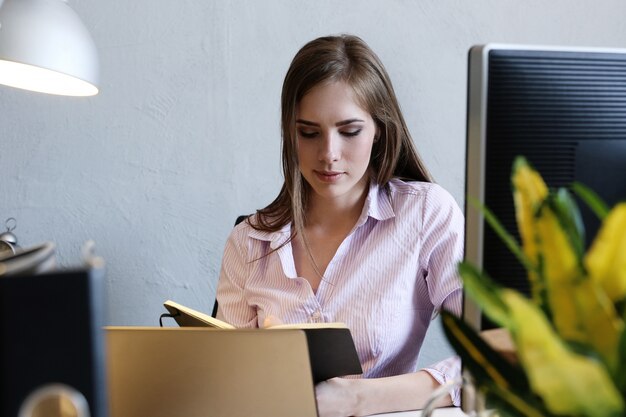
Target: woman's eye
point(307, 134)
point(351, 132)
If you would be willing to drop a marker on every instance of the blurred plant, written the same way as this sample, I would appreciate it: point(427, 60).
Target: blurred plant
point(569, 335)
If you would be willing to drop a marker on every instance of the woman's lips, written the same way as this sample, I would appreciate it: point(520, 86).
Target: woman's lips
point(328, 176)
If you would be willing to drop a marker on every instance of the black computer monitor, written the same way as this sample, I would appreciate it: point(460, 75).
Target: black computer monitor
point(564, 109)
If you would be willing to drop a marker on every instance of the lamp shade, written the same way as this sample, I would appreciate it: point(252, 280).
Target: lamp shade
point(45, 47)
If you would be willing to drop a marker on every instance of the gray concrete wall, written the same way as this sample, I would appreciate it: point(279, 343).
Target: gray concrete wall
point(185, 132)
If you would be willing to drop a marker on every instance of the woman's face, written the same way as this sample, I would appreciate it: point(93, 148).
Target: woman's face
point(335, 138)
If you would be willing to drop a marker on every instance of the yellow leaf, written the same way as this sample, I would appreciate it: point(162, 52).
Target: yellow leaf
point(529, 191)
point(560, 264)
point(568, 383)
point(601, 325)
point(560, 269)
point(606, 260)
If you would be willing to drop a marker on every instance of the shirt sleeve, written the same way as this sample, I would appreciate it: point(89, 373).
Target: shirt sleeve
point(442, 237)
point(230, 294)
point(445, 371)
point(442, 250)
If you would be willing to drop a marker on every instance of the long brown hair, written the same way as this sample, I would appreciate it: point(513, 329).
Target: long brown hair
point(349, 59)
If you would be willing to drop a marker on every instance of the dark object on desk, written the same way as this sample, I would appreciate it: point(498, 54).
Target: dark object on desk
point(332, 353)
point(52, 341)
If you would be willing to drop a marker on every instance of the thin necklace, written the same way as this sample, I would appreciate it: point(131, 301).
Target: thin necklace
point(307, 249)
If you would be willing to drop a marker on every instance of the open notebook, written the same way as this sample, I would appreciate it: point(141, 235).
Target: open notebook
point(331, 348)
point(200, 372)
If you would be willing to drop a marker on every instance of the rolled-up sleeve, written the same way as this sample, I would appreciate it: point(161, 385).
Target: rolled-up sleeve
point(445, 371)
point(233, 307)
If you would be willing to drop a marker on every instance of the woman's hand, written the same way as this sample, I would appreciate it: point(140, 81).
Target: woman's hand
point(334, 398)
point(270, 321)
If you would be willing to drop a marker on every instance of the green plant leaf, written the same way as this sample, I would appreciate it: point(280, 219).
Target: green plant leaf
point(478, 286)
point(568, 214)
point(503, 234)
point(591, 199)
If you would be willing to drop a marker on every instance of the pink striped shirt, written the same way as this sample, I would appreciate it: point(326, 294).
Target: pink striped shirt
point(395, 268)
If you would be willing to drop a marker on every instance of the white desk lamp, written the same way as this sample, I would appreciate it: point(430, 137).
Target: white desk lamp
point(45, 47)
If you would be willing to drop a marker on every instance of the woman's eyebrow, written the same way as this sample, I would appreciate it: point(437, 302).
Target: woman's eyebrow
point(306, 122)
point(341, 123)
point(348, 121)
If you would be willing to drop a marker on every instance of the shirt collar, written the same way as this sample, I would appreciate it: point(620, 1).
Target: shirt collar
point(276, 238)
point(377, 204)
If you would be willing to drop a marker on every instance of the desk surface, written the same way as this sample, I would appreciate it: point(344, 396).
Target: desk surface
point(440, 412)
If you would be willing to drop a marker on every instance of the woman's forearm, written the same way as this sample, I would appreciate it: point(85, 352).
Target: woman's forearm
point(361, 397)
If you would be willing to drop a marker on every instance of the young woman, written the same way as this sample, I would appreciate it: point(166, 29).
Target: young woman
point(358, 233)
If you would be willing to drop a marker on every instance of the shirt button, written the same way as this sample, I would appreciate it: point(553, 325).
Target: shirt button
point(315, 317)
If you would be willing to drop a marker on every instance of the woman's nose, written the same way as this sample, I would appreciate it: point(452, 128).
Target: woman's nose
point(329, 148)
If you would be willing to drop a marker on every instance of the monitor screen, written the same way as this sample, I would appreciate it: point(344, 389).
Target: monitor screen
point(564, 109)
